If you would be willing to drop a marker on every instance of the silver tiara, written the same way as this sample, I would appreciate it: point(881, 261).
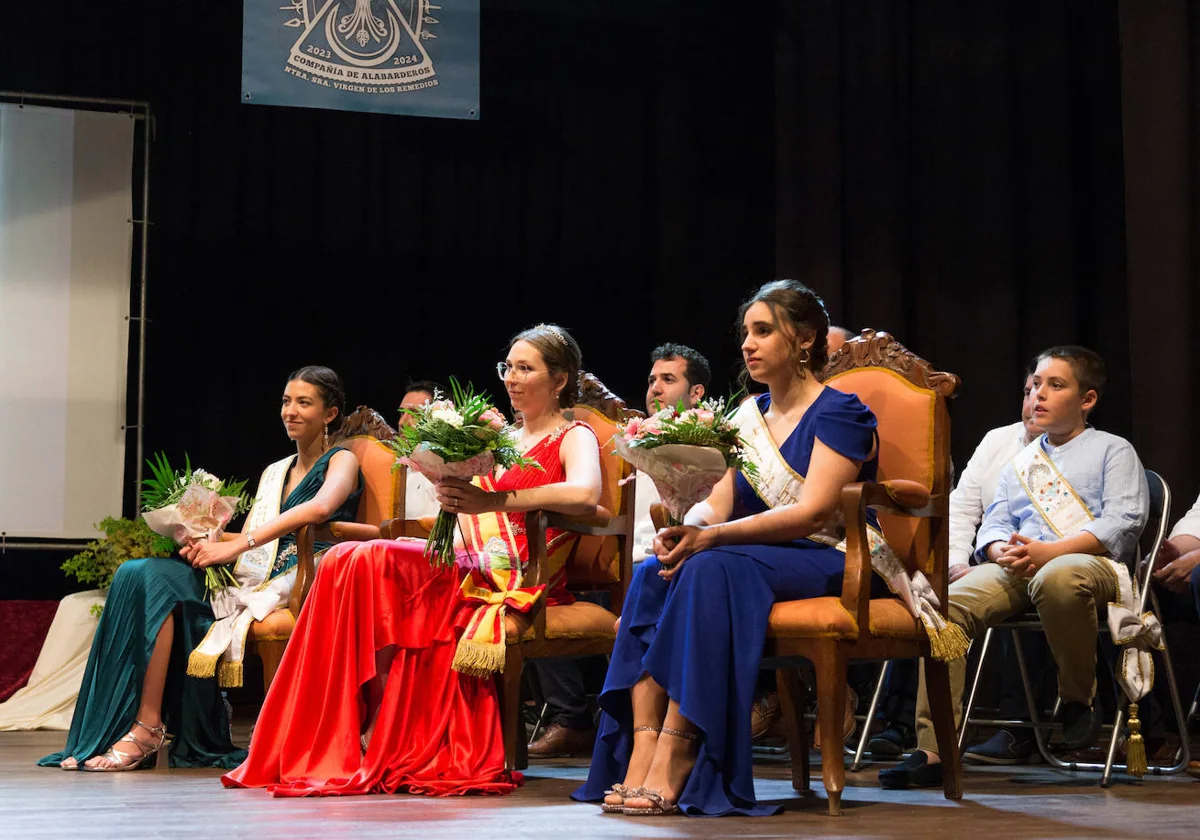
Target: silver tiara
point(553, 330)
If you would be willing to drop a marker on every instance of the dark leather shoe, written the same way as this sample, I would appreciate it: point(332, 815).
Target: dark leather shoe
point(1161, 751)
point(892, 742)
point(763, 715)
point(1080, 726)
point(914, 771)
point(1193, 769)
point(557, 741)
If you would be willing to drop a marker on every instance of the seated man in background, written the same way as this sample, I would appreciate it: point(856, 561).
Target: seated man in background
point(968, 501)
point(420, 500)
point(677, 374)
point(1068, 507)
point(1177, 570)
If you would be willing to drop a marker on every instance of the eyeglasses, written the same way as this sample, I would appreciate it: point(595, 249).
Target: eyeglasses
point(519, 374)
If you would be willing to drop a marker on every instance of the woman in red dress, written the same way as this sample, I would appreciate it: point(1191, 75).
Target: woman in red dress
point(366, 699)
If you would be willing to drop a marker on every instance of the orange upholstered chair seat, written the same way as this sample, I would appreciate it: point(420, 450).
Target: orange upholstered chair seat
point(277, 626)
point(827, 618)
point(581, 620)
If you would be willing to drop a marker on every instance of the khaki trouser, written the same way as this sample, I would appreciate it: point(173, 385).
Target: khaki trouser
point(1065, 592)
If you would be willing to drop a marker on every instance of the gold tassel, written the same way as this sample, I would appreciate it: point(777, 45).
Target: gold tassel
point(478, 659)
point(230, 675)
point(202, 665)
point(947, 643)
point(1135, 757)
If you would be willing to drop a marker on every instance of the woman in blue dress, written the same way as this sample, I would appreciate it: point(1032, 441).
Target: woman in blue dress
point(675, 730)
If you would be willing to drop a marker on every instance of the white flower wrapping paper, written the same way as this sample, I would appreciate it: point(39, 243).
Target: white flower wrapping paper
point(431, 465)
point(200, 513)
point(684, 475)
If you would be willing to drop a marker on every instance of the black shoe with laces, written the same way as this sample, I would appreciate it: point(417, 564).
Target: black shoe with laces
point(914, 771)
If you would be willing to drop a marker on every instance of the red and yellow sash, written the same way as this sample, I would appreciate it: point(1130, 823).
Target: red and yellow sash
point(495, 585)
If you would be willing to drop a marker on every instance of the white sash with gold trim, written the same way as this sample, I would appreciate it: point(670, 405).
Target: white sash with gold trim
point(1065, 512)
point(256, 596)
point(778, 484)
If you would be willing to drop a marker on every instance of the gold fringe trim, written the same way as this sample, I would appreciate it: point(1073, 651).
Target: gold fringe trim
point(948, 643)
point(230, 675)
point(478, 659)
point(202, 665)
point(1135, 758)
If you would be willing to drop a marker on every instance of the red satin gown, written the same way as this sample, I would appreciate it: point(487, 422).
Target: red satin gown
point(438, 731)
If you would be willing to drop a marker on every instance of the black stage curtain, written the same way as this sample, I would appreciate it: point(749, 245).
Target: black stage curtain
point(951, 172)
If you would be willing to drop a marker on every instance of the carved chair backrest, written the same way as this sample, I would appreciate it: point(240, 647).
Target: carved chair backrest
point(908, 398)
point(597, 561)
point(365, 433)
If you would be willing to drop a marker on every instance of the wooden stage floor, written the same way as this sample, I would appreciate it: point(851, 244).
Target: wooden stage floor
point(999, 802)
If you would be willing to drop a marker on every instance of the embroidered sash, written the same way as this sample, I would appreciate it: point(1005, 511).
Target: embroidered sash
point(1065, 512)
point(778, 484)
point(495, 586)
point(260, 591)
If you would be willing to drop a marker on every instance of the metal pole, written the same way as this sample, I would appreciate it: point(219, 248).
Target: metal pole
point(22, 97)
point(147, 129)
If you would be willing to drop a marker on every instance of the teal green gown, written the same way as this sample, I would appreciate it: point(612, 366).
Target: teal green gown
point(142, 594)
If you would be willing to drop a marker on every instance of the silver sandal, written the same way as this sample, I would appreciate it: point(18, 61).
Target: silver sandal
point(620, 789)
point(659, 806)
point(125, 761)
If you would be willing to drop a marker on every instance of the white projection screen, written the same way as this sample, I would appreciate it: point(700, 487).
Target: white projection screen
point(65, 251)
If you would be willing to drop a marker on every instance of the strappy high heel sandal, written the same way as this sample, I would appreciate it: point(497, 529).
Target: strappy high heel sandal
point(125, 761)
point(659, 806)
point(622, 790)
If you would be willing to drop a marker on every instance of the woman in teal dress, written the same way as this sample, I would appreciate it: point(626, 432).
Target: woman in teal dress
point(135, 688)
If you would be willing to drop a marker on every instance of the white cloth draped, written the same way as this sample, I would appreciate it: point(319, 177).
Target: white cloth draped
point(48, 700)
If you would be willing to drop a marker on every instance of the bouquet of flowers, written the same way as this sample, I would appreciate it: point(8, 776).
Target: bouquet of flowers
point(462, 437)
point(191, 503)
point(684, 451)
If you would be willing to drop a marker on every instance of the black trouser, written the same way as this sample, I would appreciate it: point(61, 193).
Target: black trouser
point(564, 690)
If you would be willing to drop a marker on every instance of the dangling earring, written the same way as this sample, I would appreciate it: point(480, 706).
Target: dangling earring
point(325, 437)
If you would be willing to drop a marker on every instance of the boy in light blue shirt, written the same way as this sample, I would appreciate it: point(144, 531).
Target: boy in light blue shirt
point(1073, 499)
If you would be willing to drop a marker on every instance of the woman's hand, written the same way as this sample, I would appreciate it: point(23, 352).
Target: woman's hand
point(677, 543)
point(207, 553)
point(458, 496)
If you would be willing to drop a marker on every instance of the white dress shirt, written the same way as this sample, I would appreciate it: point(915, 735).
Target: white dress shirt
point(977, 487)
point(643, 528)
point(1188, 526)
point(420, 500)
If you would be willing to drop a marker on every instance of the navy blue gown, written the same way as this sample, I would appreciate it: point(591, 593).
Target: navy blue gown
point(700, 636)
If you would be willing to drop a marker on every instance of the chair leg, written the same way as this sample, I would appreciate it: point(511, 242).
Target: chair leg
point(941, 709)
point(1040, 733)
point(270, 652)
point(830, 664)
point(792, 694)
point(966, 715)
point(516, 755)
point(1184, 755)
point(865, 735)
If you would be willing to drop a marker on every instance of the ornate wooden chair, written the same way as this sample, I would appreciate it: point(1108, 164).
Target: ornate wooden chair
point(602, 560)
point(365, 434)
point(911, 496)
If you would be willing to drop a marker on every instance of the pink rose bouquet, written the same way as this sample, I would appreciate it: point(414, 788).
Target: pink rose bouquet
point(192, 504)
point(462, 437)
point(684, 451)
